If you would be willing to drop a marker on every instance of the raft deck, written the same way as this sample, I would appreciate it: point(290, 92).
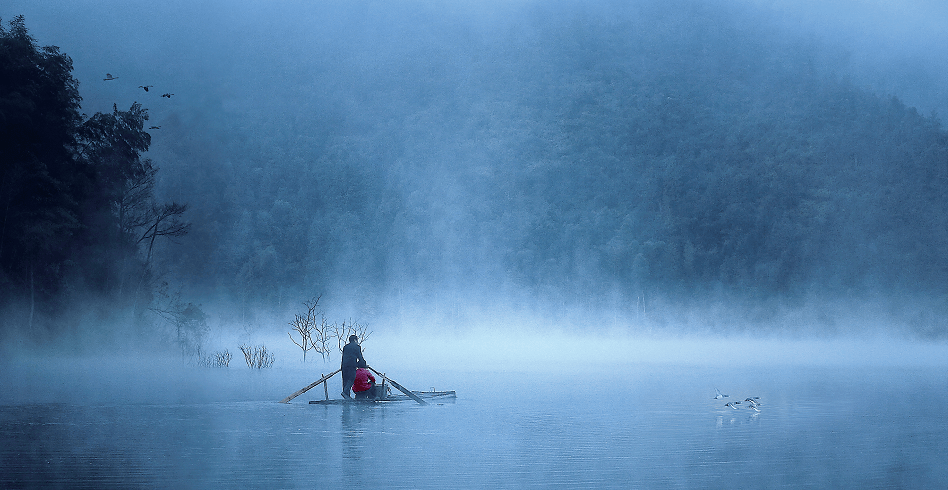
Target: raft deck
point(430, 396)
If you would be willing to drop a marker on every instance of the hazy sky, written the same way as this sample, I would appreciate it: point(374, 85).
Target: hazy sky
point(896, 46)
point(899, 45)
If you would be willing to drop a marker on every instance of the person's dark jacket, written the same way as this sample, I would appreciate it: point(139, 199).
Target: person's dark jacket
point(351, 355)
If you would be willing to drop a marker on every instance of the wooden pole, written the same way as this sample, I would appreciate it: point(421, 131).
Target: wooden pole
point(304, 390)
point(326, 388)
point(400, 387)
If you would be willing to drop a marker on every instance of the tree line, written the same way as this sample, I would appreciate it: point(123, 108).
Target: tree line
point(661, 152)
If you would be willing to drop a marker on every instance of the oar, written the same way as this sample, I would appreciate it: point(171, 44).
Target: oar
point(304, 390)
point(400, 388)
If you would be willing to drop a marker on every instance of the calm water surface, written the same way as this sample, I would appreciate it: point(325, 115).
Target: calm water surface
point(636, 427)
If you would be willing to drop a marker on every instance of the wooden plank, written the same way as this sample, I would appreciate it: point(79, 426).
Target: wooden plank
point(425, 395)
point(437, 396)
point(304, 390)
point(346, 401)
point(400, 388)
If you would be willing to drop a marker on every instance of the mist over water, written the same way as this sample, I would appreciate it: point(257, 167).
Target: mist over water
point(448, 361)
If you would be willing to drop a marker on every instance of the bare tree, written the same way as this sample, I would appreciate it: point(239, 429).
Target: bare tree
point(314, 335)
point(189, 321)
point(132, 206)
point(164, 220)
point(134, 199)
point(344, 331)
point(323, 334)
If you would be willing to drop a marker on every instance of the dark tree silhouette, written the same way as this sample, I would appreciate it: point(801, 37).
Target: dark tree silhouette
point(40, 191)
point(77, 204)
point(165, 221)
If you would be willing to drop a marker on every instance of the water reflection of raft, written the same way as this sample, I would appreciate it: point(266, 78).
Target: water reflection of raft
point(429, 396)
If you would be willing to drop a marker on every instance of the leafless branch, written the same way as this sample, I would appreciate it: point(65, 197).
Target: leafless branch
point(312, 334)
point(343, 331)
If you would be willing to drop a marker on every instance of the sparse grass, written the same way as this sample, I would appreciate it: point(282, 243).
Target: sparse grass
point(219, 359)
point(257, 357)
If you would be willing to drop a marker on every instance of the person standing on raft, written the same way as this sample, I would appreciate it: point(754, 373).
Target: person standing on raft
point(351, 355)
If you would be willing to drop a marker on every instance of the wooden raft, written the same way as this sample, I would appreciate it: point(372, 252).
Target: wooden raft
point(385, 378)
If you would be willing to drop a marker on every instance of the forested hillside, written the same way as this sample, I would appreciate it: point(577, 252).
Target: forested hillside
point(656, 152)
point(663, 150)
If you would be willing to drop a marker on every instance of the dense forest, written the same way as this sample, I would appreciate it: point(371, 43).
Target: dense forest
point(79, 219)
point(625, 157)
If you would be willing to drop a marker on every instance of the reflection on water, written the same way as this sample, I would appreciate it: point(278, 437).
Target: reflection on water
point(660, 427)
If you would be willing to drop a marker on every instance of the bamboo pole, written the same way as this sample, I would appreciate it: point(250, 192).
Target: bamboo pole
point(304, 390)
point(400, 387)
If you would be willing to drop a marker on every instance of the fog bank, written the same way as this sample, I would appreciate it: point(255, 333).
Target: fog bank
point(447, 361)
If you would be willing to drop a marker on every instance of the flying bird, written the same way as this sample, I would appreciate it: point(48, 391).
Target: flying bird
point(146, 87)
point(718, 395)
point(735, 407)
point(155, 127)
point(108, 76)
point(167, 95)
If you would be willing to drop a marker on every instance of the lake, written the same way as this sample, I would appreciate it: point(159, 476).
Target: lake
point(628, 426)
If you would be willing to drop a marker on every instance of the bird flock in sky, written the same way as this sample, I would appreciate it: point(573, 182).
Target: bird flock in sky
point(146, 88)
